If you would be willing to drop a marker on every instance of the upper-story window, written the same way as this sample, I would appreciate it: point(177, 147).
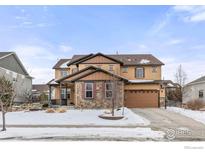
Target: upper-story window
point(111, 68)
point(88, 90)
point(64, 73)
point(154, 69)
point(139, 72)
point(125, 69)
point(201, 94)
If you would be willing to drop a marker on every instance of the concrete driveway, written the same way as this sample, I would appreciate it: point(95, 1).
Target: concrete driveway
point(177, 127)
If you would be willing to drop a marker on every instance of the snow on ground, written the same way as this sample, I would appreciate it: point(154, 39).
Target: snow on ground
point(74, 117)
point(196, 115)
point(85, 133)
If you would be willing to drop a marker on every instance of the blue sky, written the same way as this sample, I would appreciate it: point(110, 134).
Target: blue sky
point(42, 34)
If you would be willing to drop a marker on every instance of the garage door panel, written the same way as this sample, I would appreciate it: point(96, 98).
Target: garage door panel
point(141, 98)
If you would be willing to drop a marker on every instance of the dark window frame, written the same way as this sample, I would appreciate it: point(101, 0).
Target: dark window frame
point(125, 69)
point(92, 90)
point(201, 93)
point(107, 90)
point(154, 69)
point(136, 73)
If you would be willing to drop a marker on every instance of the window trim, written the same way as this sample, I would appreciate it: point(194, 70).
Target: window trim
point(201, 93)
point(154, 69)
point(111, 66)
point(108, 90)
point(64, 93)
point(89, 90)
point(123, 69)
point(62, 73)
point(143, 72)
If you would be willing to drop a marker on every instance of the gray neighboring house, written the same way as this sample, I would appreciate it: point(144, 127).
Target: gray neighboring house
point(12, 68)
point(194, 90)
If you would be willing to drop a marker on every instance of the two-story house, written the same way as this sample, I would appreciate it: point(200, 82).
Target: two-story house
point(98, 80)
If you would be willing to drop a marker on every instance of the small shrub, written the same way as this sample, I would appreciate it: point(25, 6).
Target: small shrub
point(61, 110)
point(50, 110)
point(45, 105)
point(195, 104)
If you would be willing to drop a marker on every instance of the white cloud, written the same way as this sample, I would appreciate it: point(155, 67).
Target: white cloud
point(162, 23)
point(34, 52)
point(23, 10)
point(26, 23)
point(175, 41)
point(65, 48)
point(191, 13)
point(160, 26)
point(191, 68)
point(197, 17)
point(41, 75)
point(38, 60)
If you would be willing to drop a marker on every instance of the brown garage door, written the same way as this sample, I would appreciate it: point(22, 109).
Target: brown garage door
point(141, 98)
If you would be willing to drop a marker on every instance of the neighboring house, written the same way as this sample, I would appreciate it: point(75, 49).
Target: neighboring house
point(38, 90)
point(92, 81)
point(12, 68)
point(173, 93)
point(194, 90)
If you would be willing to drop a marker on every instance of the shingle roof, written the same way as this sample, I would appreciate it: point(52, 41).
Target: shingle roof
point(59, 63)
point(127, 59)
point(201, 79)
point(2, 54)
point(137, 59)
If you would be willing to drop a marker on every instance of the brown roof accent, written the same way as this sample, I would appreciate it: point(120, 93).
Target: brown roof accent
point(126, 59)
point(101, 70)
point(76, 58)
point(59, 63)
point(52, 82)
point(99, 54)
point(76, 73)
point(40, 87)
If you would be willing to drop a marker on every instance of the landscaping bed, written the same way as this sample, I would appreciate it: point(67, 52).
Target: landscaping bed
point(74, 117)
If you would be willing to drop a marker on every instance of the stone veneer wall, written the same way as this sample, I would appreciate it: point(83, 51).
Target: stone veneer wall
point(99, 100)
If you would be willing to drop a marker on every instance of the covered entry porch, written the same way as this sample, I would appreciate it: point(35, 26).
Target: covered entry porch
point(61, 93)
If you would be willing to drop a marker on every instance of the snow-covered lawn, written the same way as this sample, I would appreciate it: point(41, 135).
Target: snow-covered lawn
point(85, 133)
point(196, 115)
point(74, 117)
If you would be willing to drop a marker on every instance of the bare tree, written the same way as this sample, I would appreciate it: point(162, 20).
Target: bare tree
point(6, 98)
point(180, 76)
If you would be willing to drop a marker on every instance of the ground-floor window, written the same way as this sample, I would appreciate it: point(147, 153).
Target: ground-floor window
point(201, 94)
point(88, 90)
point(63, 93)
point(108, 90)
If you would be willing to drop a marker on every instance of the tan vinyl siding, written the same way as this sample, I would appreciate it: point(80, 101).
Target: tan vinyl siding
point(99, 59)
point(116, 67)
point(98, 76)
point(148, 73)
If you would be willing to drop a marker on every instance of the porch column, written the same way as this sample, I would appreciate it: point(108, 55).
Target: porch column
point(49, 98)
point(60, 94)
point(66, 93)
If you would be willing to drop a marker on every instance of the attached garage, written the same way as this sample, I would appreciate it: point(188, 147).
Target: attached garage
point(142, 98)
